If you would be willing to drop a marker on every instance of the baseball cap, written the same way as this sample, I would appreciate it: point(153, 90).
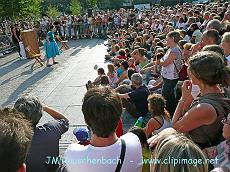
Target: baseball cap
point(81, 134)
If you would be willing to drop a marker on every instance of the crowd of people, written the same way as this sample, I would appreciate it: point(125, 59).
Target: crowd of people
point(169, 69)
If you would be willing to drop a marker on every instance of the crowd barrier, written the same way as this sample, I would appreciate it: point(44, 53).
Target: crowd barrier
point(82, 30)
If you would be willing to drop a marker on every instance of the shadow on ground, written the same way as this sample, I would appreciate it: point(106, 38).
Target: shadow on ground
point(26, 84)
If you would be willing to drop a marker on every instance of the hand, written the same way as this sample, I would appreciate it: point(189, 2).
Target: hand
point(186, 90)
point(44, 106)
point(153, 141)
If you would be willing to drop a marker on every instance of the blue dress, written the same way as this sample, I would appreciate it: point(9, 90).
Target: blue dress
point(52, 49)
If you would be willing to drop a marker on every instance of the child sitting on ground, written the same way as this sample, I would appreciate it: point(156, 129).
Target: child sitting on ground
point(160, 116)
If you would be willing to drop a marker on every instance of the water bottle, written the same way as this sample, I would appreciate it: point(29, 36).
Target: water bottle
point(139, 122)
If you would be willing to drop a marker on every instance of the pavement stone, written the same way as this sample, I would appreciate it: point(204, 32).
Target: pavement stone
point(61, 86)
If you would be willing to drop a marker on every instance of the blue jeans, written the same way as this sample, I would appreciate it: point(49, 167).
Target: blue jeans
point(168, 92)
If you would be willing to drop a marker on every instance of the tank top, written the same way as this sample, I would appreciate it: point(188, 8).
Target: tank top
point(211, 135)
point(166, 124)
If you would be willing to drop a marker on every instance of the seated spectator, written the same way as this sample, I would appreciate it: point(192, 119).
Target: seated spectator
point(97, 81)
point(225, 43)
point(124, 75)
point(160, 116)
point(222, 151)
point(138, 96)
point(178, 147)
point(112, 74)
point(121, 55)
point(15, 139)
point(131, 62)
point(114, 52)
point(139, 55)
point(45, 142)
point(203, 115)
point(102, 111)
point(104, 81)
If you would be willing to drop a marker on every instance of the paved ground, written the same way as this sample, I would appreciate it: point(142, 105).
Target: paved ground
point(61, 87)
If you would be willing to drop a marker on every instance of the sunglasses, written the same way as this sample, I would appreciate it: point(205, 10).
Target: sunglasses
point(225, 121)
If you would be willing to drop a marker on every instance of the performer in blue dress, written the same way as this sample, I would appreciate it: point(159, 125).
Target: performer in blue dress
point(51, 47)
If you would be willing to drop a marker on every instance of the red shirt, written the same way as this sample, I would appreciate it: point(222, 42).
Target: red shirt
point(122, 57)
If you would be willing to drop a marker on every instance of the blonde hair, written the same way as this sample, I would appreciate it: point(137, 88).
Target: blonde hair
point(111, 68)
point(182, 155)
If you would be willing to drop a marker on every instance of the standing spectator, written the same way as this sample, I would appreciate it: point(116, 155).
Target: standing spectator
point(102, 111)
point(171, 63)
point(15, 139)
point(16, 37)
point(45, 142)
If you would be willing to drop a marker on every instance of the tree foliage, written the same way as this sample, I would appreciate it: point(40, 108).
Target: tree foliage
point(75, 7)
point(53, 11)
point(16, 9)
point(85, 4)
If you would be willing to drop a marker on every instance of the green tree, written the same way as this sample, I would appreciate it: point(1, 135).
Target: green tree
point(61, 5)
point(16, 9)
point(85, 4)
point(75, 7)
point(30, 8)
point(53, 11)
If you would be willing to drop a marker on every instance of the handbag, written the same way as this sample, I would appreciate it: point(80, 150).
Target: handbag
point(183, 75)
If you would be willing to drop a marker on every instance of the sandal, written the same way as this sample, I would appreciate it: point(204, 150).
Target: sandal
point(48, 65)
point(55, 63)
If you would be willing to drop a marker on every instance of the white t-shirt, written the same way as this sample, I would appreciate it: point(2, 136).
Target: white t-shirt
point(81, 158)
point(170, 72)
